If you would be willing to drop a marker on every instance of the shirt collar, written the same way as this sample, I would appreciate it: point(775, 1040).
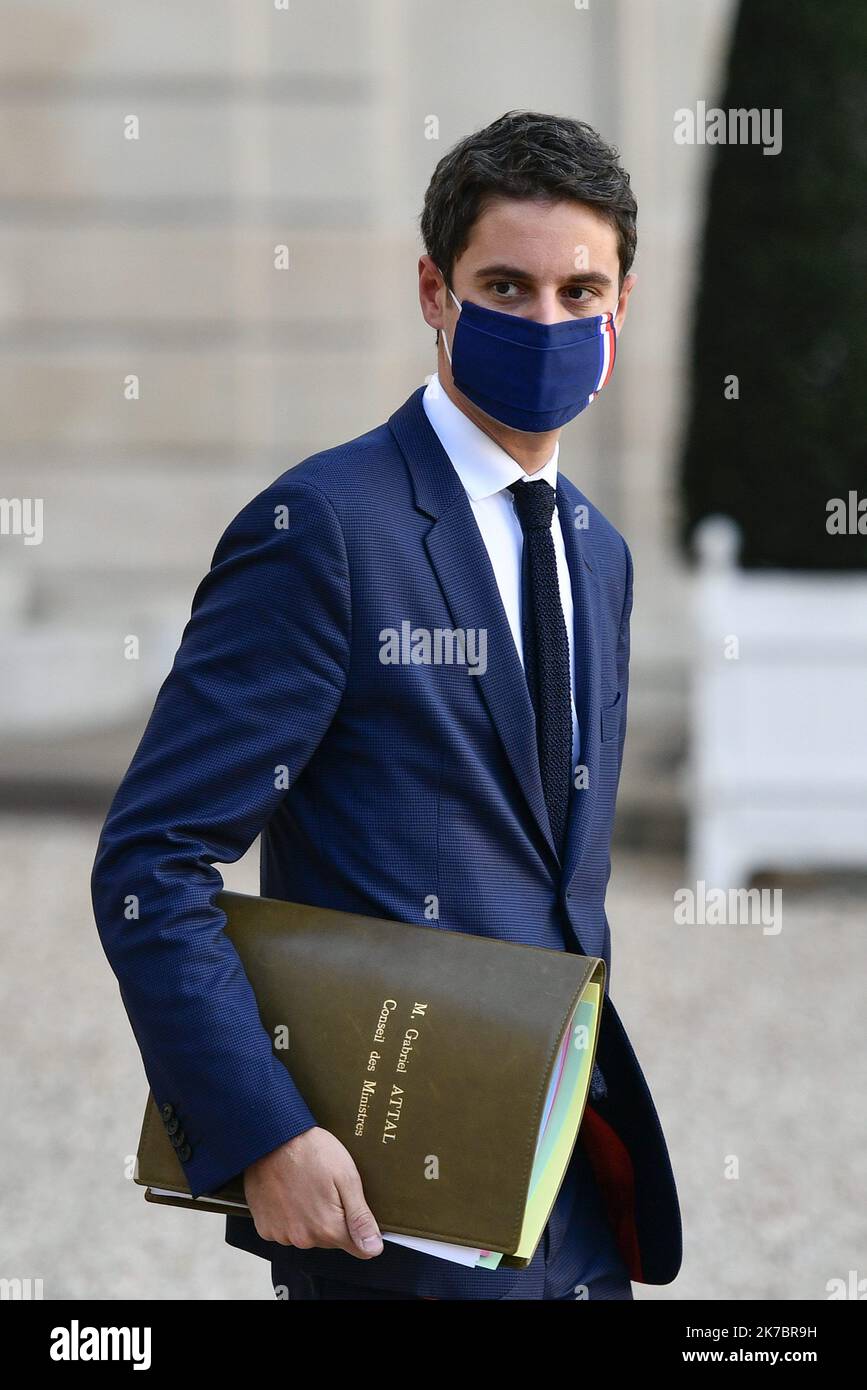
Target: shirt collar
point(482, 465)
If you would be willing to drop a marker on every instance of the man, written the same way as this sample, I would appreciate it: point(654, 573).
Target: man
point(386, 784)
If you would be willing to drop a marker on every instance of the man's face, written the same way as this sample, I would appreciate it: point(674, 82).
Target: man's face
point(548, 261)
point(545, 261)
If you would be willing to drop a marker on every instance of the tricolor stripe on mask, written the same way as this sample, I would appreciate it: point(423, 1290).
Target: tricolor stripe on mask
point(609, 349)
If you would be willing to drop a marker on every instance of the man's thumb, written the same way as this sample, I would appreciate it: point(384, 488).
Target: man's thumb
point(364, 1231)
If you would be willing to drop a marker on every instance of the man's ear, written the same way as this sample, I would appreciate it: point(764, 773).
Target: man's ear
point(626, 289)
point(430, 291)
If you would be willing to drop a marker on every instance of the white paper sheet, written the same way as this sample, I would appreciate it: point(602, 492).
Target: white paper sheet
point(458, 1254)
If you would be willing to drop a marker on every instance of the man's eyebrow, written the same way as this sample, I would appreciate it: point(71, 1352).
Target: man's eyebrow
point(500, 271)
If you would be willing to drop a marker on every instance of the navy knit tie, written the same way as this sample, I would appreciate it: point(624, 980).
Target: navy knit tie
point(546, 649)
point(546, 664)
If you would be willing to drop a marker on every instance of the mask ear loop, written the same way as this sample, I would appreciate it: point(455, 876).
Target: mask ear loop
point(458, 302)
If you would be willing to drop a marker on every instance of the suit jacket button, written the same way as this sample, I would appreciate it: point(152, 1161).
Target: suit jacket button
point(173, 1125)
point(185, 1153)
point(179, 1139)
point(167, 1111)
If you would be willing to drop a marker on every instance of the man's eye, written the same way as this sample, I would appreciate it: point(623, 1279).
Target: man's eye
point(501, 288)
point(575, 290)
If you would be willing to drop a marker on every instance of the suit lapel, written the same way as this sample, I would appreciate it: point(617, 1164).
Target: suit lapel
point(585, 597)
point(463, 567)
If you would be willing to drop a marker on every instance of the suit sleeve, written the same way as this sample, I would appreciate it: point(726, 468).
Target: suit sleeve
point(623, 687)
point(254, 685)
point(623, 654)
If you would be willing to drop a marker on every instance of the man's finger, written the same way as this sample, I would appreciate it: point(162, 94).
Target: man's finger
point(360, 1222)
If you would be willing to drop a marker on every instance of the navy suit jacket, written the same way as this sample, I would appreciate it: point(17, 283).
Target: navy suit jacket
point(377, 788)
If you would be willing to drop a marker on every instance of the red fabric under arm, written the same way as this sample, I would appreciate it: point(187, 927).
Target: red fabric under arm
point(612, 1168)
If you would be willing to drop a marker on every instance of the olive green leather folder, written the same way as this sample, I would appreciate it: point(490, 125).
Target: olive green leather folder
point(437, 1057)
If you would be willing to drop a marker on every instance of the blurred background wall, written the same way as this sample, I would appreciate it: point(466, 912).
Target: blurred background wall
point(316, 128)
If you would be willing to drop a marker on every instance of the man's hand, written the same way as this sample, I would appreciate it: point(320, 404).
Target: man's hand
point(308, 1192)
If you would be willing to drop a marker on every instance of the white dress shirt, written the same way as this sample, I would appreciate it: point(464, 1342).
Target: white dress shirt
point(486, 470)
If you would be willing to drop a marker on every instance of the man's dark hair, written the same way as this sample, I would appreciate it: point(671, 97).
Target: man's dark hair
point(525, 154)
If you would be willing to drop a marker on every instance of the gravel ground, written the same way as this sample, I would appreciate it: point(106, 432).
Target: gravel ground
point(752, 1043)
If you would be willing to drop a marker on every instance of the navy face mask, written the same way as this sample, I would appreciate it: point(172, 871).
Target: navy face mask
point(529, 375)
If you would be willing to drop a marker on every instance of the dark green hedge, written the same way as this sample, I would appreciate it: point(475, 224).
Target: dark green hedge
point(781, 301)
